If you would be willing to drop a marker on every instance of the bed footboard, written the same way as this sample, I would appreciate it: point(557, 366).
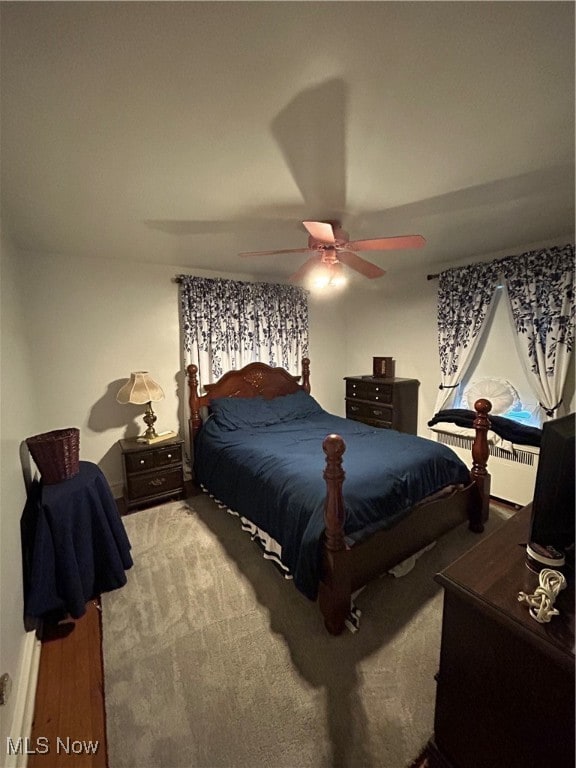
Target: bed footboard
point(345, 569)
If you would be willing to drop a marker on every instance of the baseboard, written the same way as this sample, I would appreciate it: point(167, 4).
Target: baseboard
point(25, 698)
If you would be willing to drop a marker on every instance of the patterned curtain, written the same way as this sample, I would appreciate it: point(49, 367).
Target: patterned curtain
point(227, 324)
point(541, 291)
point(464, 299)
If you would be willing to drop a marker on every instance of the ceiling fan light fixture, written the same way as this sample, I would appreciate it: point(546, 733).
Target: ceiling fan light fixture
point(328, 276)
point(338, 277)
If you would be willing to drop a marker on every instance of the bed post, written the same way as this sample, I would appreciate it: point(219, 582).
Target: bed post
point(334, 592)
point(306, 374)
point(195, 418)
point(479, 473)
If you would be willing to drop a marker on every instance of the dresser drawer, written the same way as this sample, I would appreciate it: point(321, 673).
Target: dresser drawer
point(141, 486)
point(378, 391)
point(368, 412)
point(356, 389)
point(370, 390)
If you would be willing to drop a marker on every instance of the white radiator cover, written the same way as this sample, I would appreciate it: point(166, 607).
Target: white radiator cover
point(513, 473)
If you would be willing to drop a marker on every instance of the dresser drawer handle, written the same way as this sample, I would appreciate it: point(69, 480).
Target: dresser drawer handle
point(376, 412)
point(158, 481)
point(354, 407)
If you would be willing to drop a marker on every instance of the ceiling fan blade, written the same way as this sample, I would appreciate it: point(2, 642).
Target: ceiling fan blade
point(356, 262)
point(387, 243)
point(273, 253)
point(320, 231)
point(307, 267)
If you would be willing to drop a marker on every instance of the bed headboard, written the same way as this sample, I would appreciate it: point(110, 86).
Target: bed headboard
point(255, 379)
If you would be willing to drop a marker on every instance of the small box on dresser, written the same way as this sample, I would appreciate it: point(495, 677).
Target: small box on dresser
point(385, 403)
point(152, 473)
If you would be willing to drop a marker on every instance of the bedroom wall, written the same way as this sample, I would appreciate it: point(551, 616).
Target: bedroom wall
point(91, 322)
point(17, 416)
point(398, 318)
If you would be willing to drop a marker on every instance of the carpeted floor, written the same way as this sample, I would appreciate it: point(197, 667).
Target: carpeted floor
point(213, 660)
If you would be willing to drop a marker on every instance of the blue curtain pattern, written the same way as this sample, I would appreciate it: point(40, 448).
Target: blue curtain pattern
point(234, 322)
point(541, 291)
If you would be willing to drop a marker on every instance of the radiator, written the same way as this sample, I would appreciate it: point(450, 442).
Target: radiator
point(513, 473)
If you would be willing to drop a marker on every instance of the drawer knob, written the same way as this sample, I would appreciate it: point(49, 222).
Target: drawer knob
point(376, 398)
point(142, 461)
point(169, 455)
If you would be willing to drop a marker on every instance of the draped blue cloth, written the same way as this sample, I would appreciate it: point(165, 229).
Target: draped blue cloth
point(74, 544)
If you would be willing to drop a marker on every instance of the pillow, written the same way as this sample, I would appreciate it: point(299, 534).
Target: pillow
point(500, 392)
point(241, 412)
point(298, 405)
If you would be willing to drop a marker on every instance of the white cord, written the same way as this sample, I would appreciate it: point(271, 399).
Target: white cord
point(542, 601)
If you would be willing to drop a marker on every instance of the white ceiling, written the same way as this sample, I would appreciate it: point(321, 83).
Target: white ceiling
point(184, 133)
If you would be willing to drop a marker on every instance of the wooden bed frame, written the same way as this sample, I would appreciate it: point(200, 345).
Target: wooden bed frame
point(346, 569)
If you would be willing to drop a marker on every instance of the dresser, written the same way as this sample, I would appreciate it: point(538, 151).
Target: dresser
point(386, 403)
point(152, 473)
point(505, 695)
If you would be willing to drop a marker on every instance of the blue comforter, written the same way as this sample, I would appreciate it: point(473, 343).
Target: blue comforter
point(272, 474)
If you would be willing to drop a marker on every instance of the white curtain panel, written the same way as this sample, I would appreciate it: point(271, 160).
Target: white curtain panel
point(465, 297)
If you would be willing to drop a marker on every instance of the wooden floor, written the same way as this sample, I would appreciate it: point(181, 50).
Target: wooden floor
point(69, 720)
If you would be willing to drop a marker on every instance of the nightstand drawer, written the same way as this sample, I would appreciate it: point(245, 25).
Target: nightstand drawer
point(141, 486)
point(139, 461)
point(164, 457)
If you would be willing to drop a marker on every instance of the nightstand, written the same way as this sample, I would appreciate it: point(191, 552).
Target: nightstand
point(152, 473)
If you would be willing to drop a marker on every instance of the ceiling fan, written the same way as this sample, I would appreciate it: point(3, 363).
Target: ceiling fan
point(329, 244)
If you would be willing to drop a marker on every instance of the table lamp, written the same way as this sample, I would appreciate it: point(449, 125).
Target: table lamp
point(139, 389)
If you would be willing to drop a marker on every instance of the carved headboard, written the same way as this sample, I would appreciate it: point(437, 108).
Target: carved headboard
point(255, 379)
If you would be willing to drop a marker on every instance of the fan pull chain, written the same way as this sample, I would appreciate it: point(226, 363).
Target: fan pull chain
point(541, 602)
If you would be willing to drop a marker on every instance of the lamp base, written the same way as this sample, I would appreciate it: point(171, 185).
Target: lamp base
point(150, 420)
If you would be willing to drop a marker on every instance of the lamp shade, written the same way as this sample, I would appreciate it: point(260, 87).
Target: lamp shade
point(139, 389)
